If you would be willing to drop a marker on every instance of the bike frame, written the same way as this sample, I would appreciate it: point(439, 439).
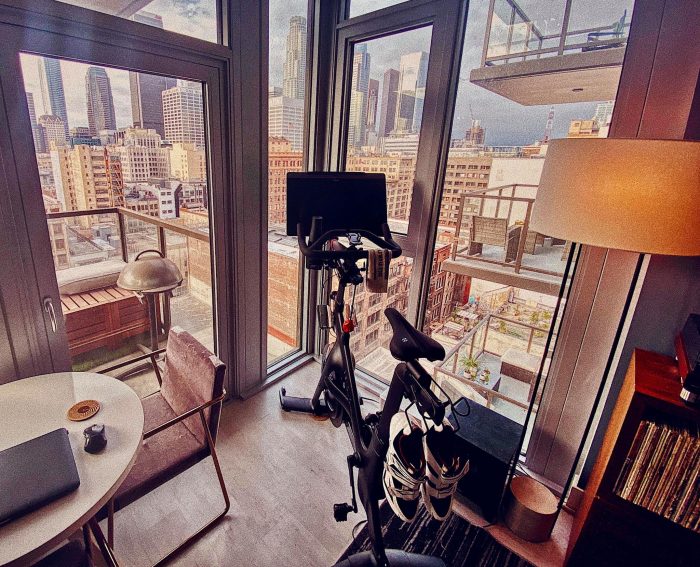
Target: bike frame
point(370, 444)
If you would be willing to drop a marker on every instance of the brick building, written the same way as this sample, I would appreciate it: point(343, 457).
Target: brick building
point(282, 159)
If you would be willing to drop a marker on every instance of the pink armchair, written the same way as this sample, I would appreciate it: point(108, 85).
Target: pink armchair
point(181, 424)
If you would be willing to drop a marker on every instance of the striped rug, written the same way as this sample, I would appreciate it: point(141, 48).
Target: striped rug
point(456, 541)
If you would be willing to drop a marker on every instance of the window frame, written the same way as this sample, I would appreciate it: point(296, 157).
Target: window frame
point(593, 338)
point(232, 106)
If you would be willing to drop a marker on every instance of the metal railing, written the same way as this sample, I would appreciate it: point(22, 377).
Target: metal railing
point(525, 41)
point(472, 346)
point(516, 215)
point(122, 213)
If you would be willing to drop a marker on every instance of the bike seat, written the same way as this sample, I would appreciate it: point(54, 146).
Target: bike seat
point(408, 343)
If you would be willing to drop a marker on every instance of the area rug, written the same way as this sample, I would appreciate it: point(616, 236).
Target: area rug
point(456, 541)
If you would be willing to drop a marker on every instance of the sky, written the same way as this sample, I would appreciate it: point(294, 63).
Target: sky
point(505, 122)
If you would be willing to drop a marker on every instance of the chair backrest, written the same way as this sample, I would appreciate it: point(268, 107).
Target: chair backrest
point(487, 230)
point(192, 377)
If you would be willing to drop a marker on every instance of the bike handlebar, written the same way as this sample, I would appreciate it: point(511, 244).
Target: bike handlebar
point(314, 248)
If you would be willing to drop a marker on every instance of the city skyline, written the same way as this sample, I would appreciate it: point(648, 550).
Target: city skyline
point(505, 123)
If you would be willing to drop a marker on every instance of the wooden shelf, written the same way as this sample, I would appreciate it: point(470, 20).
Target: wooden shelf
point(609, 530)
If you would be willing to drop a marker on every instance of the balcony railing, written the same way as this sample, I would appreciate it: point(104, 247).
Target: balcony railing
point(117, 232)
point(511, 35)
point(491, 339)
point(493, 227)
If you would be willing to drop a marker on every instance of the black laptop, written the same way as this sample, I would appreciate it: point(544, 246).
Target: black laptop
point(36, 472)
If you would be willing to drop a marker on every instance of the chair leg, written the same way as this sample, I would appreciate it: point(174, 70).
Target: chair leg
point(201, 531)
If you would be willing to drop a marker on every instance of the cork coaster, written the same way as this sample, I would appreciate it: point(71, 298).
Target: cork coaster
point(83, 410)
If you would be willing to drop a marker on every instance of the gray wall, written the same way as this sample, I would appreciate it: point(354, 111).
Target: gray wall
point(670, 292)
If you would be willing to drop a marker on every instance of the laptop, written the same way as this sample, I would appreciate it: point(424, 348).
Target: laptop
point(35, 473)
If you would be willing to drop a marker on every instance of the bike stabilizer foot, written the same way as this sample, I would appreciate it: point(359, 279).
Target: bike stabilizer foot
point(304, 405)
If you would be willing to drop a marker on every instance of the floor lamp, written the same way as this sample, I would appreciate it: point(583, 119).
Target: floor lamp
point(629, 194)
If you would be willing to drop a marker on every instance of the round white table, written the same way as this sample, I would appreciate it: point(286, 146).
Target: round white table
point(37, 405)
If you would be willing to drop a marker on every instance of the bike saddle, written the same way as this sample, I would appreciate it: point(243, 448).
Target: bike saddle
point(408, 343)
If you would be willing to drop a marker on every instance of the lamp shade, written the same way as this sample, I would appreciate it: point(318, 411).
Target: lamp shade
point(150, 274)
point(629, 194)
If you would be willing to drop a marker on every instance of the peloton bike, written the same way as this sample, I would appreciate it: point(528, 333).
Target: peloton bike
point(321, 209)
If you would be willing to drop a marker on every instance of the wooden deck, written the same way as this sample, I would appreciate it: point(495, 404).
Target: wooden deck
point(102, 318)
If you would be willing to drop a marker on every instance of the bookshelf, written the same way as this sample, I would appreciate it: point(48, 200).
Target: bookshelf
point(611, 530)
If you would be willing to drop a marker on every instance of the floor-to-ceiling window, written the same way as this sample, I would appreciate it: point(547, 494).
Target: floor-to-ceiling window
point(288, 39)
point(462, 172)
point(126, 144)
point(123, 169)
point(494, 282)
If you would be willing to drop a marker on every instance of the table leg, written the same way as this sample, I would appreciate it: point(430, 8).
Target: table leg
point(110, 523)
point(87, 542)
point(105, 548)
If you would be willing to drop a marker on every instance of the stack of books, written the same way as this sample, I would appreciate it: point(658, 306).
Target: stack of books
point(662, 471)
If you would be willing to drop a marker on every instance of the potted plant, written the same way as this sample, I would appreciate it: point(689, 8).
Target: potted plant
point(471, 366)
point(486, 376)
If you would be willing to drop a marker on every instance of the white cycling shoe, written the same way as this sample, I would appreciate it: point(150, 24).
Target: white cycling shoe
point(445, 468)
point(404, 467)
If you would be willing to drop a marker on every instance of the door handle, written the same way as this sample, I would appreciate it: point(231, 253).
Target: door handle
point(48, 308)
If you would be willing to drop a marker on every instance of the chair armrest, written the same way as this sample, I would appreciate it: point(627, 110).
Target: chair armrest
point(185, 415)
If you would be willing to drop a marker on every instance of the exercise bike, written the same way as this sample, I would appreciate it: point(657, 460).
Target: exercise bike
point(336, 394)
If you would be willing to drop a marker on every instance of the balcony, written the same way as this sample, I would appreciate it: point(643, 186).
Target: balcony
point(492, 241)
point(495, 363)
point(569, 61)
point(106, 324)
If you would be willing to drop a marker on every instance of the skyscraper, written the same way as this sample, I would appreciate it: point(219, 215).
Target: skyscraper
point(286, 120)
point(37, 130)
point(413, 74)
point(146, 90)
point(147, 100)
point(390, 87)
point(372, 100)
point(359, 88)
point(183, 114)
point(52, 95)
point(53, 130)
point(475, 135)
point(32, 109)
point(100, 104)
point(294, 85)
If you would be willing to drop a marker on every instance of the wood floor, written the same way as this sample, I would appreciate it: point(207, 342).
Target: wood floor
point(284, 472)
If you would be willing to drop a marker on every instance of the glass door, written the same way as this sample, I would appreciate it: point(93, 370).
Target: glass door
point(126, 158)
point(392, 83)
point(387, 93)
